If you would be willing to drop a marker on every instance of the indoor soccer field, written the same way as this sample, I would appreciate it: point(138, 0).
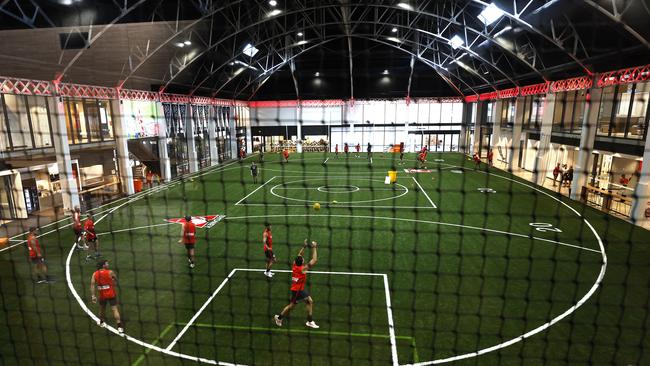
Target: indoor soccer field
point(452, 264)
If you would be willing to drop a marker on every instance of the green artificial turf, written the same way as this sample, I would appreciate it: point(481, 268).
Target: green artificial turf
point(468, 274)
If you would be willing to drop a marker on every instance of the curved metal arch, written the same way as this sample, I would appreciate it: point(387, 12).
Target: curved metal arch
point(435, 67)
point(431, 64)
point(491, 39)
point(518, 20)
point(616, 18)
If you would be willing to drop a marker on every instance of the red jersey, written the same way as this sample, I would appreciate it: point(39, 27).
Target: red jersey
point(490, 155)
point(346, 148)
point(476, 158)
point(422, 156)
point(268, 244)
point(189, 233)
point(358, 147)
point(76, 220)
point(285, 153)
point(89, 228)
point(336, 149)
point(105, 284)
point(33, 246)
point(298, 278)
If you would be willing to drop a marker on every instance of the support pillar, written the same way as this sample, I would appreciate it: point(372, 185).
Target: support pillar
point(496, 126)
point(463, 139)
point(212, 137)
point(122, 147)
point(191, 141)
point(69, 189)
point(165, 164)
point(641, 197)
point(233, 133)
point(541, 160)
point(587, 138)
point(515, 147)
point(480, 116)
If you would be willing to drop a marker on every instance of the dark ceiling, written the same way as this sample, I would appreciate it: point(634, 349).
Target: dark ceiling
point(363, 49)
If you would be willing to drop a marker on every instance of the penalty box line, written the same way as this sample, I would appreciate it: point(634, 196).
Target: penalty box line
point(389, 311)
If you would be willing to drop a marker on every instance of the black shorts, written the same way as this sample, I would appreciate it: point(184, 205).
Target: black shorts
point(297, 296)
point(77, 232)
point(189, 246)
point(269, 254)
point(111, 301)
point(36, 260)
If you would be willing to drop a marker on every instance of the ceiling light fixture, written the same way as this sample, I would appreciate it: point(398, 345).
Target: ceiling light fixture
point(300, 43)
point(394, 30)
point(394, 39)
point(490, 14)
point(250, 50)
point(404, 5)
point(187, 43)
point(317, 74)
point(245, 65)
point(385, 72)
point(180, 44)
point(273, 3)
point(300, 34)
point(505, 29)
point(273, 13)
point(456, 41)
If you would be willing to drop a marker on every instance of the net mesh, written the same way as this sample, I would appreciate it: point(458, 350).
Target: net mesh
point(421, 246)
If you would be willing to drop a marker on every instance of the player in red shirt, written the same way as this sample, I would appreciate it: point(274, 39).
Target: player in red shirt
point(357, 148)
point(285, 155)
point(267, 240)
point(91, 236)
point(104, 280)
point(76, 228)
point(298, 292)
point(36, 257)
point(490, 157)
point(422, 158)
point(346, 149)
point(336, 151)
point(188, 237)
point(401, 153)
point(477, 160)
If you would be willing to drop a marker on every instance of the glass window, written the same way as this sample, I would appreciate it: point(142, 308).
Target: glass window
point(526, 104)
point(579, 111)
point(623, 100)
point(76, 122)
point(539, 107)
point(18, 121)
point(4, 133)
point(446, 112)
point(558, 110)
point(434, 112)
point(568, 111)
point(638, 114)
point(105, 119)
point(40, 121)
point(92, 118)
point(605, 110)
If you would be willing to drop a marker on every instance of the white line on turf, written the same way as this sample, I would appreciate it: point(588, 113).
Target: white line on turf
point(334, 205)
point(315, 272)
point(255, 190)
point(196, 315)
point(134, 228)
point(325, 162)
point(425, 222)
point(406, 190)
point(391, 324)
point(425, 192)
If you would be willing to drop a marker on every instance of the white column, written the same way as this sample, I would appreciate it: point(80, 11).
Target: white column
point(165, 164)
point(122, 147)
point(69, 189)
point(641, 197)
point(587, 138)
point(467, 120)
point(496, 126)
point(541, 160)
point(246, 121)
point(478, 110)
point(191, 141)
point(212, 137)
point(513, 156)
point(233, 133)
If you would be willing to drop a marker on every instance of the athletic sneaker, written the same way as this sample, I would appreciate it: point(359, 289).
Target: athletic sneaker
point(120, 330)
point(89, 257)
point(269, 274)
point(312, 324)
point(277, 320)
point(191, 265)
point(100, 323)
point(41, 281)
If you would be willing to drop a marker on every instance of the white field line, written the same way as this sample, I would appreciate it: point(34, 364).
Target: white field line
point(325, 162)
point(391, 324)
point(425, 192)
point(425, 222)
point(334, 205)
point(360, 189)
point(315, 272)
point(196, 315)
point(255, 190)
point(134, 228)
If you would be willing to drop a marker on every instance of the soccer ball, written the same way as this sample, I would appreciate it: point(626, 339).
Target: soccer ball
point(335, 201)
point(316, 206)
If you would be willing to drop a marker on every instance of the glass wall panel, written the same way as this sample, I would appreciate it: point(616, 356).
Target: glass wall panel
point(605, 110)
point(446, 112)
point(434, 112)
point(623, 100)
point(539, 106)
point(76, 122)
point(92, 119)
point(105, 119)
point(18, 121)
point(560, 102)
point(579, 111)
point(638, 115)
point(527, 104)
point(4, 133)
point(38, 112)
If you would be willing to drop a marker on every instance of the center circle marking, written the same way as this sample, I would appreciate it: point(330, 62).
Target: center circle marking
point(338, 189)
